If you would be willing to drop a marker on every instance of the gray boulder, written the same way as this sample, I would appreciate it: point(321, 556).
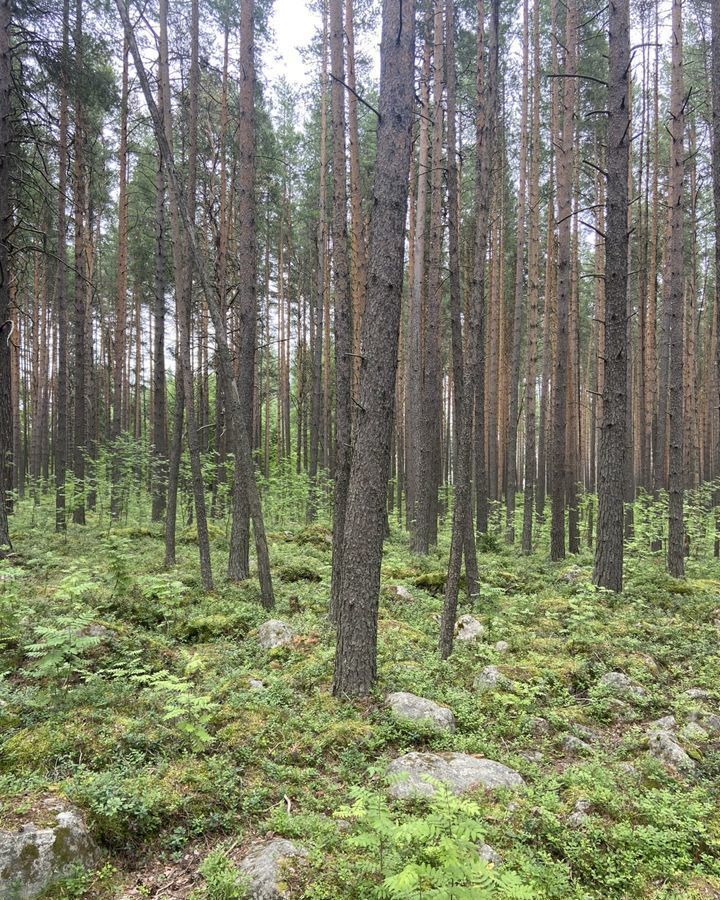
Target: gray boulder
point(489, 855)
point(694, 732)
point(709, 721)
point(412, 708)
point(667, 723)
point(698, 693)
point(539, 727)
point(414, 773)
point(490, 679)
point(665, 747)
point(400, 592)
point(618, 684)
point(502, 647)
point(263, 868)
point(467, 628)
point(35, 856)
point(274, 633)
point(574, 746)
point(580, 813)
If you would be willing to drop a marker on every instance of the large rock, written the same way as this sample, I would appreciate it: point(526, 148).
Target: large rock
point(274, 633)
point(414, 774)
point(34, 856)
point(665, 747)
point(264, 868)
point(618, 684)
point(467, 628)
point(418, 709)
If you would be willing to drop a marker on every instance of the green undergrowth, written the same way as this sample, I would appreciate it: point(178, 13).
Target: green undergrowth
point(127, 691)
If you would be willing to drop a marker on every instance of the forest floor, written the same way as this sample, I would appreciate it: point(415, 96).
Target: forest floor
point(154, 710)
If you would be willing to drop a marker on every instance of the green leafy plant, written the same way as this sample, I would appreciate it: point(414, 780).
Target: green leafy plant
point(432, 853)
point(222, 878)
point(58, 648)
point(188, 711)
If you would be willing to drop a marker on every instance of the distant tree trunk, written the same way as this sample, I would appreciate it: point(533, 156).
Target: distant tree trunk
point(320, 290)
point(60, 445)
point(356, 653)
point(343, 305)
point(484, 149)
point(121, 301)
point(564, 155)
point(429, 461)
point(239, 559)
point(416, 299)
point(608, 572)
point(512, 420)
point(358, 268)
point(676, 533)
point(533, 294)
point(159, 402)
point(6, 423)
point(79, 363)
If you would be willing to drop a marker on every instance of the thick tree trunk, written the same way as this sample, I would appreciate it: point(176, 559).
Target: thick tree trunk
point(343, 302)
point(356, 653)
point(675, 276)
point(608, 572)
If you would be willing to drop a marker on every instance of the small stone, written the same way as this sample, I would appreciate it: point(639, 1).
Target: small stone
point(412, 708)
point(502, 646)
point(618, 684)
point(490, 678)
point(580, 813)
point(33, 857)
point(573, 574)
point(693, 732)
point(539, 727)
point(274, 633)
point(533, 756)
point(627, 768)
point(263, 868)
point(665, 748)
point(255, 684)
point(489, 855)
point(460, 772)
point(575, 746)
point(467, 628)
point(698, 694)
point(400, 592)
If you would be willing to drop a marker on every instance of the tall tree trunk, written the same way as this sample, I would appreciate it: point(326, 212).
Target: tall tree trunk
point(60, 446)
point(79, 368)
point(608, 572)
point(533, 294)
point(356, 652)
point(416, 298)
point(425, 532)
point(159, 403)
point(6, 422)
point(320, 290)
point(343, 302)
point(676, 277)
point(239, 559)
point(564, 157)
point(716, 195)
point(512, 419)
point(121, 301)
